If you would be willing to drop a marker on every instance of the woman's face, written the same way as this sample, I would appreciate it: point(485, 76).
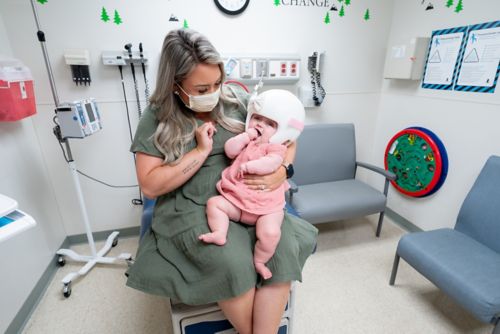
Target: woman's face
point(204, 79)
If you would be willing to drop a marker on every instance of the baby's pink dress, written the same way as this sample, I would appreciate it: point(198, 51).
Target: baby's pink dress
point(252, 201)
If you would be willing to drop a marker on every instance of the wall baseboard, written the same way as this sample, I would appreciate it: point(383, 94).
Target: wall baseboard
point(21, 319)
point(402, 221)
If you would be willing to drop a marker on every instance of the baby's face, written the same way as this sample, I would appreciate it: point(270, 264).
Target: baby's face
point(265, 127)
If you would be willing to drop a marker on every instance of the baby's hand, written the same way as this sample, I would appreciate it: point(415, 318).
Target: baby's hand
point(252, 133)
point(242, 170)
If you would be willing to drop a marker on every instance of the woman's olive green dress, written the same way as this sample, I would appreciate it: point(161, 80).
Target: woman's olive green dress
point(172, 262)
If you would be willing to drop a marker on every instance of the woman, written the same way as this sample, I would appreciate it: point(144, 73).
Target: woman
point(179, 145)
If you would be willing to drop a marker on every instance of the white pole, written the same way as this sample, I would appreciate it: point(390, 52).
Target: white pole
point(83, 208)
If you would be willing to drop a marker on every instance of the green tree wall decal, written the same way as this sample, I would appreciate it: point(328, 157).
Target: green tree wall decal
point(347, 2)
point(185, 25)
point(277, 2)
point(327, 18)
point(117, 19)
point(459, 7)
point(104, 15)
point(449, 3)
point(342, 12)
point(367, 15)
point(43, 2)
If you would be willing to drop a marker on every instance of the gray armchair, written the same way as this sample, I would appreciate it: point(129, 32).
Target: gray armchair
point(324, 187)
point(464, 262)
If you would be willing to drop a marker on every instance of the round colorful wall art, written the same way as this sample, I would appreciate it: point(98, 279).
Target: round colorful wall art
point(418, 158)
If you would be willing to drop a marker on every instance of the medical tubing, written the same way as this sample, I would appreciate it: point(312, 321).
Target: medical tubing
point(126, 104)
point(135, 201)
point(104, 183)
point(316, 85)
point(136, 88)
point(146, 83)
point(321, 89)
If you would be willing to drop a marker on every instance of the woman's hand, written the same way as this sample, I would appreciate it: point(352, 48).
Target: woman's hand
point(265, 182)
point(204, 137)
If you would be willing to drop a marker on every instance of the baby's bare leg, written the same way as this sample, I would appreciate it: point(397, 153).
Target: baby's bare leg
point(219, 211)
point(268, 231)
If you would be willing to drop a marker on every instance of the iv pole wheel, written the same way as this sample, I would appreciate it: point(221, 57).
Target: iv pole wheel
point(67, 290)
point(61, 261)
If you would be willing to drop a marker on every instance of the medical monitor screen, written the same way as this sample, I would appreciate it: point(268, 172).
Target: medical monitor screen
point(90, 112)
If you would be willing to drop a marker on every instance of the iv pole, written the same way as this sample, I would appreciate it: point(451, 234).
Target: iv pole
point(112, 240)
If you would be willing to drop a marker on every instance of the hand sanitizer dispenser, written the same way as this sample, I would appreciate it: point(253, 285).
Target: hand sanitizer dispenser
point(406, 61)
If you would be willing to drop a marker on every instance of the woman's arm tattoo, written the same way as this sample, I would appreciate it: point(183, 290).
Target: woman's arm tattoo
point(189, 167)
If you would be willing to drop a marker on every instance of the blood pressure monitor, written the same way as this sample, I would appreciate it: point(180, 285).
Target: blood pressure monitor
point(232, 7)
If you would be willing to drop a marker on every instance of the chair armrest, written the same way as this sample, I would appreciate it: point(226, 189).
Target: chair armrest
point(293, 189)
point(293, 186)
point(387, 174)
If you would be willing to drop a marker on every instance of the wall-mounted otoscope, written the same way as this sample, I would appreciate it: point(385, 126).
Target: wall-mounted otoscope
point(143, 64)
point(128, 47)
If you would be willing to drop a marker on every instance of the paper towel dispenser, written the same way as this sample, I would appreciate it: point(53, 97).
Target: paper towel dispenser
point(406, 61)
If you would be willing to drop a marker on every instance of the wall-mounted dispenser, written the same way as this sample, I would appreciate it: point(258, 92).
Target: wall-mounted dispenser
point(79, 60)
point(406, 61)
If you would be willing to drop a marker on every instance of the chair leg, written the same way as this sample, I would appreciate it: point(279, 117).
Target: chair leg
point(496, 330)
point(395, 270)
point(380, 221)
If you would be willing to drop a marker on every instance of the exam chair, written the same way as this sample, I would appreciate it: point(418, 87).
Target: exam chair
point(464, 262)
point(207, 319)
point(324, 187)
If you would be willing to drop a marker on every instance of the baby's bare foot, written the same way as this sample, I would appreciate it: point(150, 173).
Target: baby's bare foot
point(218, 238)
point(263, 270)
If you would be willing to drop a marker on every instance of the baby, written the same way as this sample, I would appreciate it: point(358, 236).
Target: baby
point(275, 119)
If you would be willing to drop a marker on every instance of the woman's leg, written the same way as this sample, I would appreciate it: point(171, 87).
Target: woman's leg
point(269, 305)
point(238, 311)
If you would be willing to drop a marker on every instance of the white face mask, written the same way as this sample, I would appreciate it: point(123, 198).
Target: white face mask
point(202, 103)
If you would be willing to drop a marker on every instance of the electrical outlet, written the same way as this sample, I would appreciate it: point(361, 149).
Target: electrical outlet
point(262, 68)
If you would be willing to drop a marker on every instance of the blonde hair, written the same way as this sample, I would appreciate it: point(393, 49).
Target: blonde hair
point(182, 50)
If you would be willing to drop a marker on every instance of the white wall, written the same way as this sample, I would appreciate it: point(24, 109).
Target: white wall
point(354, 49)
point(24, 177)
point(467, 123)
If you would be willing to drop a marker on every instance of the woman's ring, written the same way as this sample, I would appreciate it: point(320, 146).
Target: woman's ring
point(262, 187)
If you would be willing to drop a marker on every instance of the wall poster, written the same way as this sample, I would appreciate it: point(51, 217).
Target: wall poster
point(443, 58)
point(480, 65)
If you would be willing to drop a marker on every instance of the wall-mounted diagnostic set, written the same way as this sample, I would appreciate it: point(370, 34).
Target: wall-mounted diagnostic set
point(124, 57)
